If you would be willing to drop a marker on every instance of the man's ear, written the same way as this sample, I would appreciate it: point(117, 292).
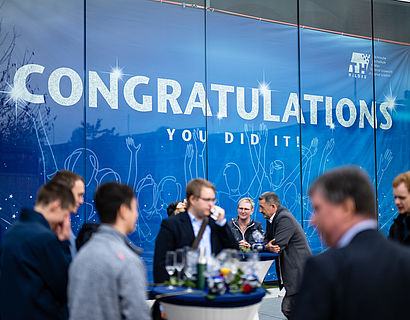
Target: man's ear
point(349, 207)
point(191, 198)
point(122, 212)
point(274, 207)
point(53, 206)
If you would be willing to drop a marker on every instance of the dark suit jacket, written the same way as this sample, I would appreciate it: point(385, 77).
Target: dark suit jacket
point(177, 232)
point(294, 248)
point(399, 230)
point(367, 279)
point(34, 270)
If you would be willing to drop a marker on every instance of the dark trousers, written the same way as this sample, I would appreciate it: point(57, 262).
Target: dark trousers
point(288, 303)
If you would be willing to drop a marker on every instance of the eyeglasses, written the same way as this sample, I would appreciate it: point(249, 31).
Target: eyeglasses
point(212, 200)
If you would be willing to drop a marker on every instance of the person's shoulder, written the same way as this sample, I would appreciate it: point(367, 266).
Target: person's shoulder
point(257, 223)
point(175, 219)
point(399, 249)
point(179, 216)
point(284, 215)
point(38, 235)
point(284, 212)
point(328, 261)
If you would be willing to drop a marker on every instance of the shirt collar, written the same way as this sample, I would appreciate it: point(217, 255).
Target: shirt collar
point(193, 218)
point(271, 218)
point(353, 231)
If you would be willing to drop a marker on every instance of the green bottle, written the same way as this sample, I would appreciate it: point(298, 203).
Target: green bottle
point(201, 269)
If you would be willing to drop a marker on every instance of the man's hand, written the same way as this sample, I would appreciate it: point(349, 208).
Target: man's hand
point(63, 229)
point(272, 247)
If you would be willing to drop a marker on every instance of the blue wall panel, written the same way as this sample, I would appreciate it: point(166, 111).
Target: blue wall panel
point(154, 94)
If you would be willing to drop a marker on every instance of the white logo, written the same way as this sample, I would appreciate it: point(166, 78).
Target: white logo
point(358, 65)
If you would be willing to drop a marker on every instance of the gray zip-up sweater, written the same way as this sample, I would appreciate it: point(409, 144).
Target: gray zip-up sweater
point(107, 280)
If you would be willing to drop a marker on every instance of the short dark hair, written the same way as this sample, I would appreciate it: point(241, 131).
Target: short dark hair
point(85, 233)
point(402, 178)
point(53, 191)
point(172, 207)
point(270, 197)
point(68, 177)
point(194, 187)
point(347, 182)
point(108, 199)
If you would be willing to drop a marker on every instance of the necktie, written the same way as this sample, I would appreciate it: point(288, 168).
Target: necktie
point(269, 230)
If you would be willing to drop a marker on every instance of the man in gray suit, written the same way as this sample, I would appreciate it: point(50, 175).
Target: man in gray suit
point(284, 235)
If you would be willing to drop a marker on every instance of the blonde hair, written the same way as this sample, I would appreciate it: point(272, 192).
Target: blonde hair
point(246, 199)
point(402, 178)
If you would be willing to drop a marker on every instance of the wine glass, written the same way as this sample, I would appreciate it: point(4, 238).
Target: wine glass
point(170, 265)
point(179, 261)
point(191, 260)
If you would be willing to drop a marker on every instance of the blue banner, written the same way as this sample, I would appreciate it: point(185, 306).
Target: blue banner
point(155, 94)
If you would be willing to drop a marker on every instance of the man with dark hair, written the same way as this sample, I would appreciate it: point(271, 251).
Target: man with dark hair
point(362, 275)
point(399, 230)
point(35, 256)
point(76, 183)
point(85, 233)
point(284, 235)
point(176, 207)
point(107, 279)
point(180, 230)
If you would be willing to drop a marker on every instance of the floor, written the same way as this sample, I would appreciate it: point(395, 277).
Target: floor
point(270, 308)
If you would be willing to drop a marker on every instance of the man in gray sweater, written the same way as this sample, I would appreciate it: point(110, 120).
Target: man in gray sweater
point(107, 279)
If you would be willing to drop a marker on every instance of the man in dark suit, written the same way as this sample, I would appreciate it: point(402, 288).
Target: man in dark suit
point(284, 235)
point(180, 230)
point(399, 230)
point(362, 275)
point(35, 256)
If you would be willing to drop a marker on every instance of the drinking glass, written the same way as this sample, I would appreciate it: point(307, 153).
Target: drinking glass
point(191, 260)
point(170, 265)
point(179, 261)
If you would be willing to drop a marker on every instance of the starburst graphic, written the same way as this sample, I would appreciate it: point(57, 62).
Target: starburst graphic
point(390, 100)
point(117, 72)
point(15, 95)
point(263, 87)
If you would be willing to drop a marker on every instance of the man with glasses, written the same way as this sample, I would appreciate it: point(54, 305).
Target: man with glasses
point(245, 230)
point(180, 230)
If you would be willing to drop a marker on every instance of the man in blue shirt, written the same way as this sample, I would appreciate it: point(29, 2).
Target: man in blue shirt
point(35, 256)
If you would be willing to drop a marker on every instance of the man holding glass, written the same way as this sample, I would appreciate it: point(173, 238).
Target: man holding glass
point(180, 230)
